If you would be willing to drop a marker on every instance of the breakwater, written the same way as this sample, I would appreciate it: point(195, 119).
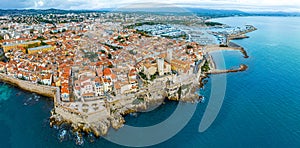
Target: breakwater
point(242, 67)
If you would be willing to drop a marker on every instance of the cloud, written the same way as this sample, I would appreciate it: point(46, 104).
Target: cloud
point(246, 5)
point(38, 4)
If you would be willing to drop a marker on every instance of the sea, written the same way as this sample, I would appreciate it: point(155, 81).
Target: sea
point(261, 106)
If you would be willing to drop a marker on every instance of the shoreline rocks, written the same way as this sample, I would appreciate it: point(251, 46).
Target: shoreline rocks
point(116, 119)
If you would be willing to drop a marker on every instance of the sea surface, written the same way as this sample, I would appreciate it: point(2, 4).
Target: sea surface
point(261, 107)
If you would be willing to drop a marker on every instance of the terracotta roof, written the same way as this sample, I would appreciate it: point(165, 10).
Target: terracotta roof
point(88, 95)
point(106, 80)
point(113, 76)
point(98, 80)
point(64, 90)
point(77, 88)
point(65, 85)
point(147, 65)
point(2, 63)
point(47, 77)
point(86, 83)
point(107, 71)
point(117, 85)
point(134, 87)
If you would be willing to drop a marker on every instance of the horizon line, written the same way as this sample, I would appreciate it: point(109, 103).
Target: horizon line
point(145, 9)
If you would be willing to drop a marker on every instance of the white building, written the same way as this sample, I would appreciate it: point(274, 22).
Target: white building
point(160, 66)
point(169, 55)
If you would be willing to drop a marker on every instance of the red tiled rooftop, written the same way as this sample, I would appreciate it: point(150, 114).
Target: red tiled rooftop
point(107, 71)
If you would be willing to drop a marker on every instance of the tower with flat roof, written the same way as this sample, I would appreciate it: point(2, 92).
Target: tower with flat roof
point(160, 66)
point(169, 55)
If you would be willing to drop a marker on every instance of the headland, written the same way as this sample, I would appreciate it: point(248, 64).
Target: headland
point(98, 71)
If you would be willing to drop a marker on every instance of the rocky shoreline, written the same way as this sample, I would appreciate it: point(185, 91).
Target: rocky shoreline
point(117, 112)
point(116, 119)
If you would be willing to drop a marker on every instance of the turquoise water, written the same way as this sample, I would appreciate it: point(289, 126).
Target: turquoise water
point(261, 107)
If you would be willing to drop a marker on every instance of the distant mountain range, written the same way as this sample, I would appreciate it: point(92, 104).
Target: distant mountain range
point(41, 11)
point(198, 11)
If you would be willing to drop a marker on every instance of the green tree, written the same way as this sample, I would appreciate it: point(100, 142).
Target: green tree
point(189, 46)
point(109, 56)
point(31, 31)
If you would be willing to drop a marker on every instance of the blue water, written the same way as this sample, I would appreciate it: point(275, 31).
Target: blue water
point(261, 106)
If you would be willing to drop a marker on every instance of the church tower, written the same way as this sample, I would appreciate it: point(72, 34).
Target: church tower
point(160, 66)
point(169, 55)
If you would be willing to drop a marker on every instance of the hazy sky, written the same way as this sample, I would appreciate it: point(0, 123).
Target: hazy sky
point(246, 5)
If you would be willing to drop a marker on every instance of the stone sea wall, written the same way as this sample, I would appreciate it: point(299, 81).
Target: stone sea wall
point(48, 91)
point(99, 122)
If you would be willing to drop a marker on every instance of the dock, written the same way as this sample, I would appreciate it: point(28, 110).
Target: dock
point(242, 67)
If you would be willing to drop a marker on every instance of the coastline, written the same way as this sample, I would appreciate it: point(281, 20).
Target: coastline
point(44, 90)
point(98, 116)
point(81, 122)
point(99, 122)
point(113, 114)
point(231, 46)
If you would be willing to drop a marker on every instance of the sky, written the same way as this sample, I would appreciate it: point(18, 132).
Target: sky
point(244, 5)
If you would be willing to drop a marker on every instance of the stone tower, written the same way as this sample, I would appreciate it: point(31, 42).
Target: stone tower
point(169, 55)
point(160, 66)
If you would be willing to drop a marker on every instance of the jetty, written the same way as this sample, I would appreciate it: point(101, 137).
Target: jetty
point(242, 67)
